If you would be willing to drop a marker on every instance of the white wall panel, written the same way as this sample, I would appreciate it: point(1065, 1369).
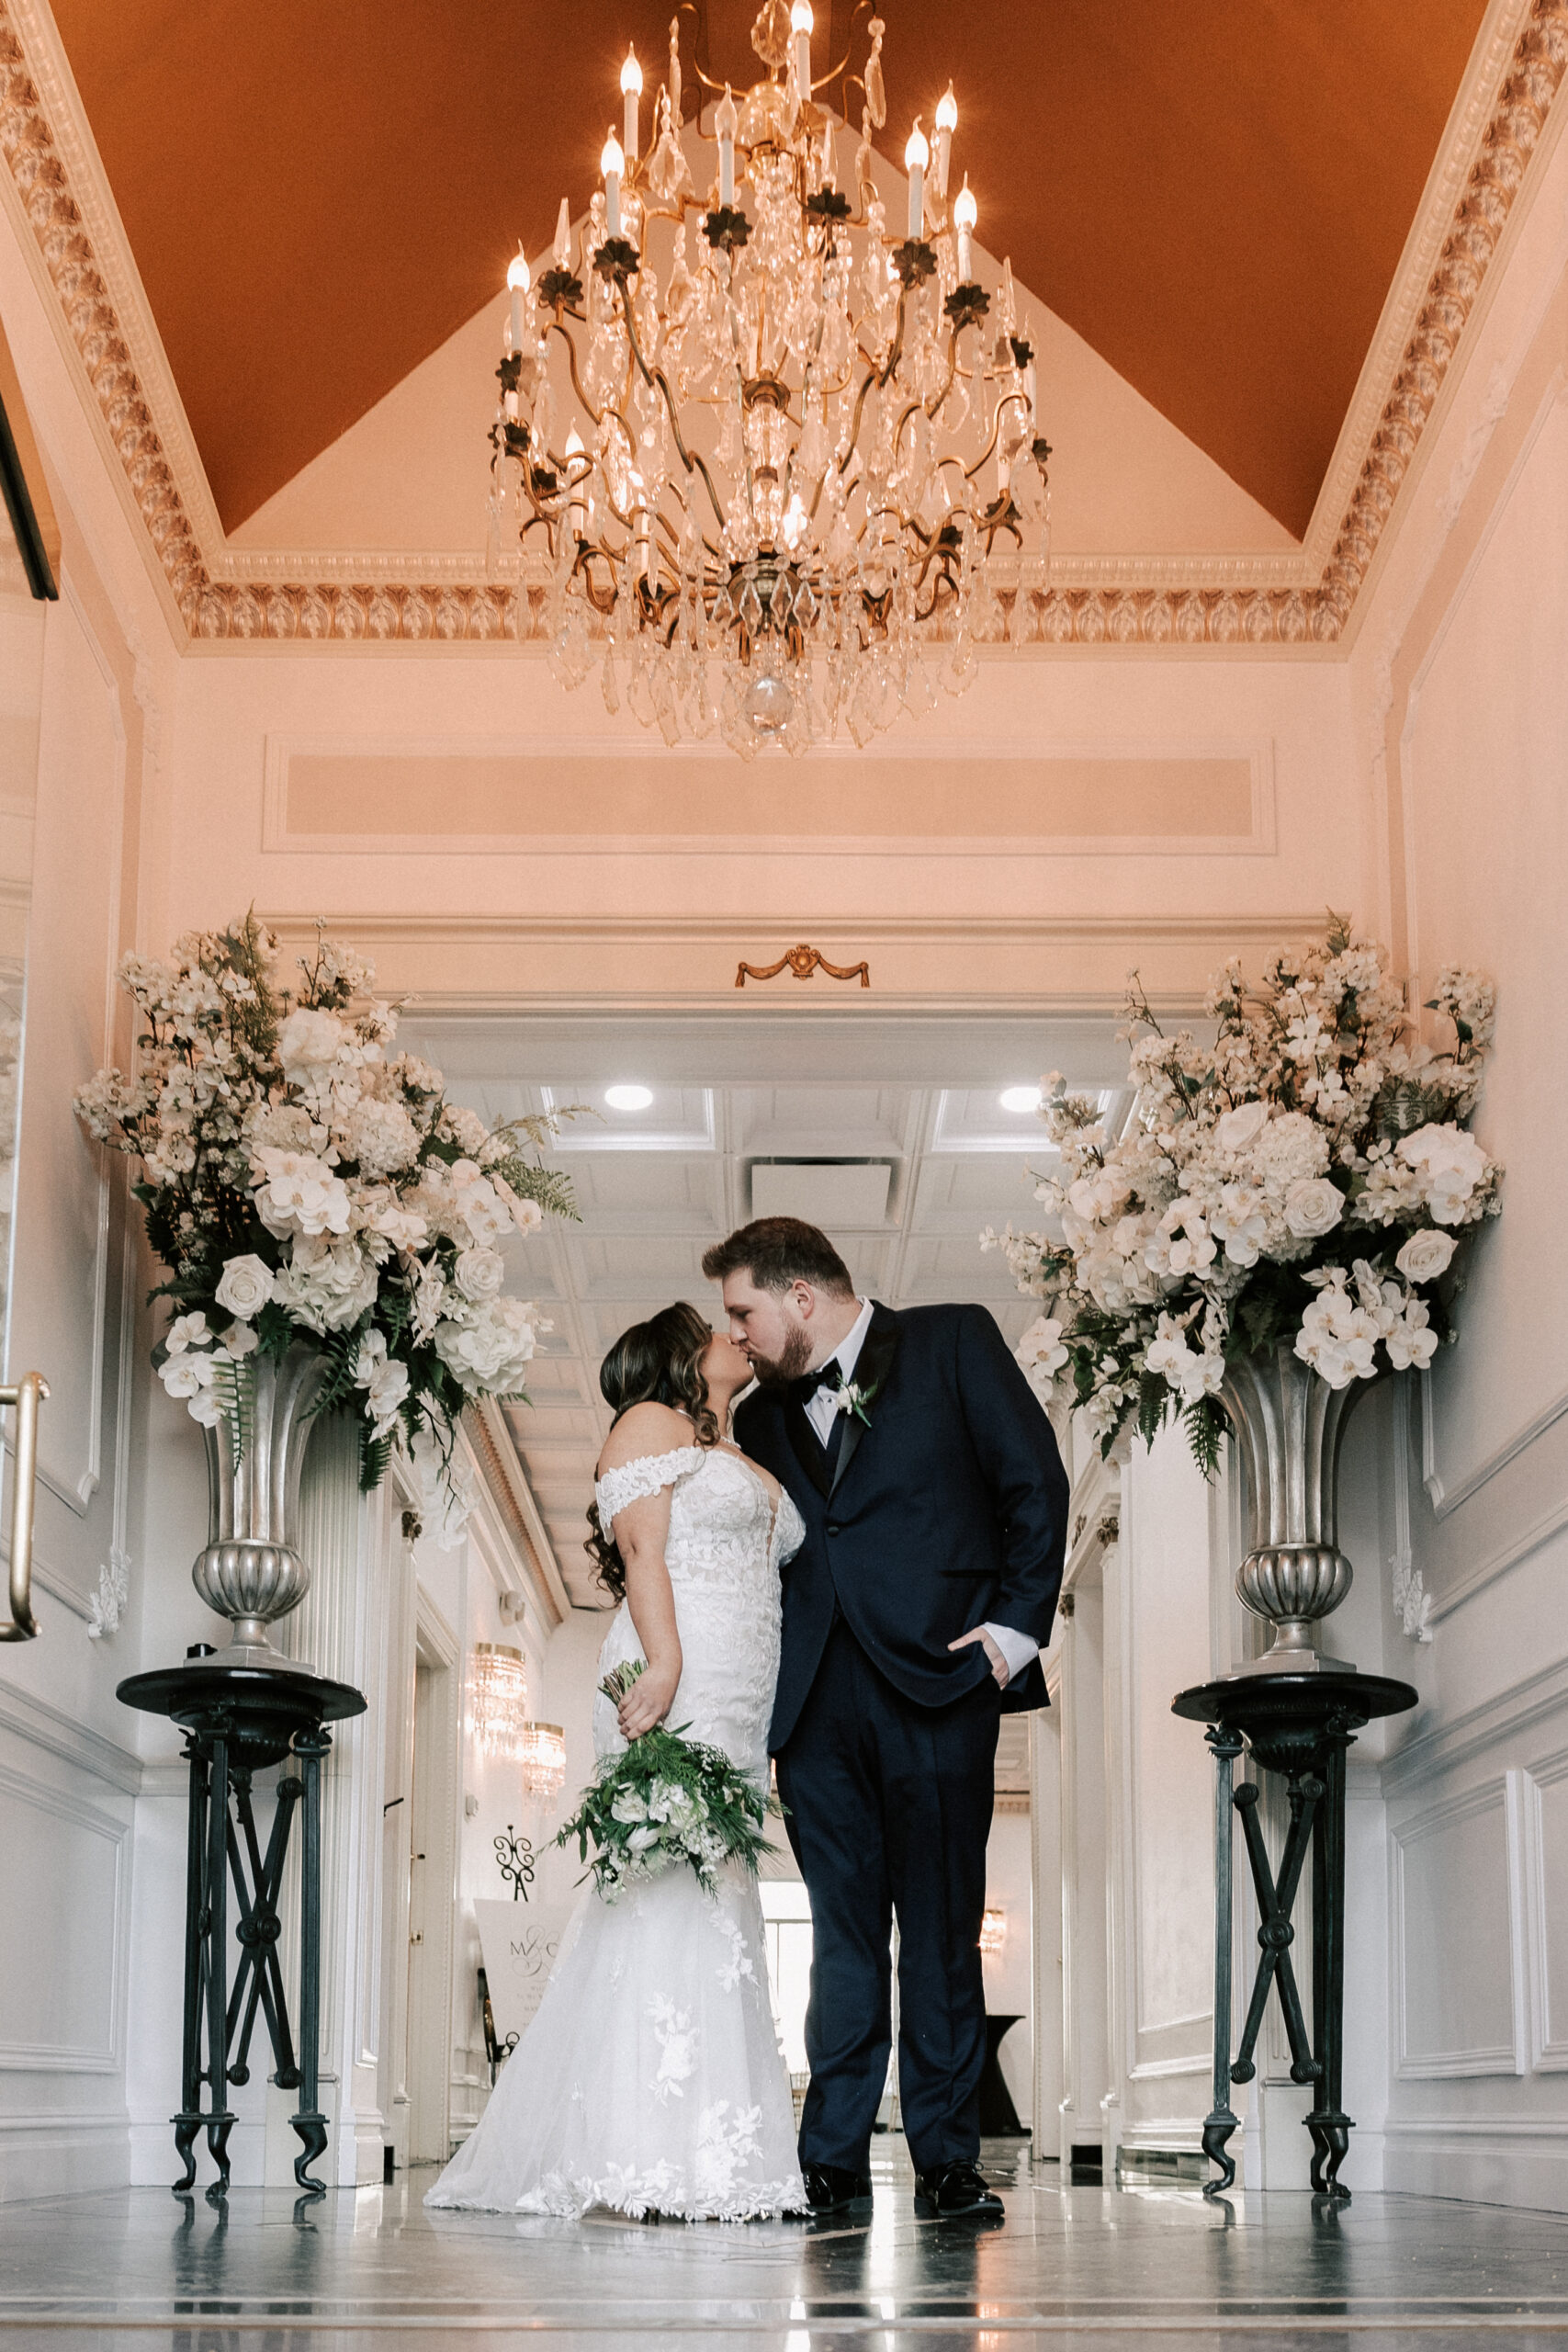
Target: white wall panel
point(1457, 1936)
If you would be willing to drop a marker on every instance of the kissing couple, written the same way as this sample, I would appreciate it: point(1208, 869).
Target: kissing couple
point(858, 1581)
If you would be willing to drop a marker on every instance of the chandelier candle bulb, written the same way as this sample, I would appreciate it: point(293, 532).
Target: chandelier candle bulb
point(801, 22)
point(725, 122)
point(916, 155)
point(946, 124)
point(613, 164)
point(966, 213)
point(631, 91)
point(517, 286)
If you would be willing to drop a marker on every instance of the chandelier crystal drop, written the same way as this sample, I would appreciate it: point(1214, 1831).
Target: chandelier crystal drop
point(766, 450)
point(543, 1758)
point(499, 1700)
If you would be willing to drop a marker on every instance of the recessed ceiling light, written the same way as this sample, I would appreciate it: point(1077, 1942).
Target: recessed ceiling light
point(1021, 1098)
point(628, 1098)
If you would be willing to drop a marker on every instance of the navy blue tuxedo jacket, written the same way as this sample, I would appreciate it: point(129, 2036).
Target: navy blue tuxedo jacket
point(945, 1508)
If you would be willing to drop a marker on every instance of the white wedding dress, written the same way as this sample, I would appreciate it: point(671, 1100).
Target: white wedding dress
point(651, 2077)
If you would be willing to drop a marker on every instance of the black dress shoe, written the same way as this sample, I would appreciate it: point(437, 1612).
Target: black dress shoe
point(829, 2189)
point(956, 2190)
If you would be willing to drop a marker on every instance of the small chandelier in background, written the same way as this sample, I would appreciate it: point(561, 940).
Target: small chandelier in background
point(499, 1700)
point(798, 428)
point(543, 1758)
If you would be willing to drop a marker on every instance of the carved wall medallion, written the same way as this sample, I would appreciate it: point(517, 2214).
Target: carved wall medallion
point(1144, 612)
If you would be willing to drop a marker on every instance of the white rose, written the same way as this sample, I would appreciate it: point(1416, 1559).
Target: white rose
point(478, 1273)
point(309, 1040)
point(1240, 1129)
point(245, 1287)
point(1312, 1207)
point(1425, 1256)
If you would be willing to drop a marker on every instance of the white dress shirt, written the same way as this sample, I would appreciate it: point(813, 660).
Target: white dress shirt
point(821, 1409)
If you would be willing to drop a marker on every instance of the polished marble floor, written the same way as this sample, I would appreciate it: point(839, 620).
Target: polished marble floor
point(139, 2271)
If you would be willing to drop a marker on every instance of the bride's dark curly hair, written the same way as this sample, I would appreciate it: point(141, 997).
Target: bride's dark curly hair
point(656, 1363)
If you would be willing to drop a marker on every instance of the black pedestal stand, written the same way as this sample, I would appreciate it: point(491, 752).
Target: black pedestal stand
point(237, 1720)
point(1299, 1725)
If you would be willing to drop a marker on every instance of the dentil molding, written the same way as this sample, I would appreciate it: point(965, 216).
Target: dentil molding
point(57, 181)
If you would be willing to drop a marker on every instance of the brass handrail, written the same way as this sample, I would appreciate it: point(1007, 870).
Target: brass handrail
point(26, 1397)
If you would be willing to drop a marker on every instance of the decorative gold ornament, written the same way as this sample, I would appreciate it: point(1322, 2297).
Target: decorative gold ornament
point(803, 961)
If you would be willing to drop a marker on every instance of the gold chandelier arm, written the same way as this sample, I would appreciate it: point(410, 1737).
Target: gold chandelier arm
point(586, 404)
point(655, 376)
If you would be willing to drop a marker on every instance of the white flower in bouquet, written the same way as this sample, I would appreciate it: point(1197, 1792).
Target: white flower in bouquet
point(299, 1193)
point(186, 1375)
point(1426, 1256)
point(1338, 1337)
point(484, 1214)
point(489, 1349)
point(310, 1040)
point(1295, 1183)
point(1453, 1168)
point(1041, 1352)
point(1314, 1207)
point(480, 1273)
point(385, 1382)
point(381, 1136)
point(328, 1285)
point(186, 1331)
point(245, 1287)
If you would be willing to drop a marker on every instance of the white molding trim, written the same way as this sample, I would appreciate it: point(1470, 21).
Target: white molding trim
point(65, 2058)
point(1444, 1745)
point(1443, 1500)
point(1548, 2051)
point(1512, 1554)
point(1500, 1794)
point(41, 1725)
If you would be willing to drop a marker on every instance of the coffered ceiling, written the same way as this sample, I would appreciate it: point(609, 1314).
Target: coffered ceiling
point(1214, 198)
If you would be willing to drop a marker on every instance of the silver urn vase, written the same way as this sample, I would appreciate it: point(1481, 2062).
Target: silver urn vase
point(252, 1572)
point(1288, 1424)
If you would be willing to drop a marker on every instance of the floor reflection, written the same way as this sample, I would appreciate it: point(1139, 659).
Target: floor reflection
point(113, 2271)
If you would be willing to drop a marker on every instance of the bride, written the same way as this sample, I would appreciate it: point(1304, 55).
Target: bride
point(651, 2078)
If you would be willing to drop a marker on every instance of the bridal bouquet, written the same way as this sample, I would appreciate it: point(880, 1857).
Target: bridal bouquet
point(299, 1180)
point(665, 1800)
point(1309, 1178)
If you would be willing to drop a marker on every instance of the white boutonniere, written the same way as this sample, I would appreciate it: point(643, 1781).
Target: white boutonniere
point(853, 1399)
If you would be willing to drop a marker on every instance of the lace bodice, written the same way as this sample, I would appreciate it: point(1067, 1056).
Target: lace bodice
point(724, 1551)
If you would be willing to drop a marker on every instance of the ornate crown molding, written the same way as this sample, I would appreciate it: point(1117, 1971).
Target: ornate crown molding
point(50, 161)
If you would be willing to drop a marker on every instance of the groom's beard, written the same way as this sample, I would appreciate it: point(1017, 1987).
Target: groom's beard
point(777, 1371)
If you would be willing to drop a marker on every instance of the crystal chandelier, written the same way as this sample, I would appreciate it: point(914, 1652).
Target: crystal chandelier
point(794, 429)
point(499, 1698)
point(543, 1758)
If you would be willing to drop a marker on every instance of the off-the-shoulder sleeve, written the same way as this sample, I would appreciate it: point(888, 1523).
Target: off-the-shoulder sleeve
point(644, 1476)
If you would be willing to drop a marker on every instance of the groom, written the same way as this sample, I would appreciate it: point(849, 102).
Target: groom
point(935, 1509)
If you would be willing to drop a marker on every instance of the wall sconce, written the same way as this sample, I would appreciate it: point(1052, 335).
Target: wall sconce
point(993, 1931)
point(542, 1755)
point(499, 1700)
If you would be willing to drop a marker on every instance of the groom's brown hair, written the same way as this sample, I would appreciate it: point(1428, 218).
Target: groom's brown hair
point(776, 1252)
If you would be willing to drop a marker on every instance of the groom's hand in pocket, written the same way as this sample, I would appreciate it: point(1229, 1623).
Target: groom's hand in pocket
point(998, 1663)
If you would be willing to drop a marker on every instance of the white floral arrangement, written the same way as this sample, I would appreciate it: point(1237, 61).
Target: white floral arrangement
point(298, 1181)
point(1309, 1177)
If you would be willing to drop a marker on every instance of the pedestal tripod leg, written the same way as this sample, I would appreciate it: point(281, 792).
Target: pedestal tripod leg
point(310, 2122)
point(187, 2122)
point(1329, 2125)
point(1221, 2121)
point(219, 2117)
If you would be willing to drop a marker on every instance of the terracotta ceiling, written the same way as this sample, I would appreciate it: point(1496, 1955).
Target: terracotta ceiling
point(1215, 197)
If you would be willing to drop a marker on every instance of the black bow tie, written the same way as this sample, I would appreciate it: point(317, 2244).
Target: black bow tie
point(831, 1376)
